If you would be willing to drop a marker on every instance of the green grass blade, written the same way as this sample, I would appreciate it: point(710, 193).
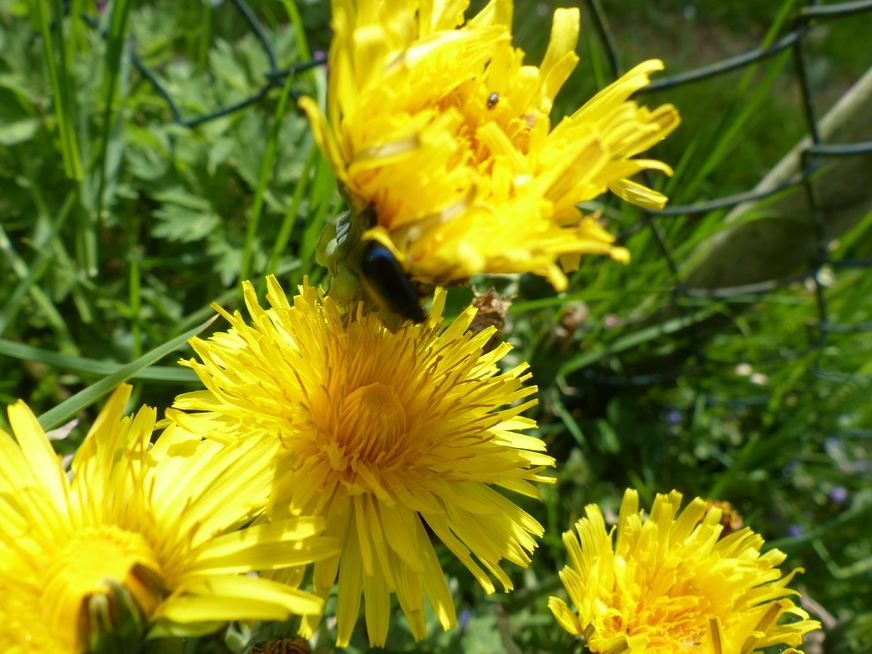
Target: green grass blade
point(116, 40)
point(85, 366)
point(597, 65)
point(323, 196)
point(785, 12)
point(263, 179)
point(586, 295)
point(83, 399)
point(287, 228)
point(205, 311)
point(571, 424)
point(37, 269)
point(135, 302)
point(730, 136)
point(40, 298)
point(634, 339)
point(299, 29)
point(60, 81)
point(205, 35)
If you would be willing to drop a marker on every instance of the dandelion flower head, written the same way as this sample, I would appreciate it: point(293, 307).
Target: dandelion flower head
point(435, 123)
point(385, 435)
point(149, 533)
point(670, 584)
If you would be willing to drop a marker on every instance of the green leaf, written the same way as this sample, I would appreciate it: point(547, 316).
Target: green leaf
point(17, 123)
point(224, 60)
point(83, 365)
point(179, 223)
point(633, 339)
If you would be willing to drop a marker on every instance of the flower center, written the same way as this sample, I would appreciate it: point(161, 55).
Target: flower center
point(674, 618)
point(99, 562)
point(373, 423)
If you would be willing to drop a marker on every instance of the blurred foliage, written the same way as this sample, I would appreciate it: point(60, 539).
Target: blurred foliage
point(104, 265)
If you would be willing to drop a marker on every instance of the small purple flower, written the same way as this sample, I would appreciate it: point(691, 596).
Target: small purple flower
point(673, 417)
point(795, 531)
point(839, 494)
point(465, 616)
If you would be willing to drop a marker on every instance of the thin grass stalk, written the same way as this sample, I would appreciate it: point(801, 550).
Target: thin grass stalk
point(116, 39)
point(205, 35)
point(40, 298)
point(729, 133)
point(299, 30)
point(54, 46)
point(634, 339)
point(135, 301)
point(85, 398)
point(266, 167)
point(323, 196)
point(290, 219)
point(38, 268)
point(85, 366)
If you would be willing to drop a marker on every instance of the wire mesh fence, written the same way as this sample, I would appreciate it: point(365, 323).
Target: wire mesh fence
point(812, 157)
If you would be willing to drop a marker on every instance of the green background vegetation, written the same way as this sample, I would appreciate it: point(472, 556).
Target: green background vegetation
point(118, 228)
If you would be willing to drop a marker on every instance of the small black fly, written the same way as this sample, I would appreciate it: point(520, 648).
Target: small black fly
point(389, 283)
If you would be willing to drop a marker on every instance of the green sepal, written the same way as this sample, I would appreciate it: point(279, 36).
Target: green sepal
point(168, 629)
point(112, 622)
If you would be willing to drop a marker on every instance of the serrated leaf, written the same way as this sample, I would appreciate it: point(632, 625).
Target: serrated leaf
point(145, 164)
point(17, 122)
point(183, 224)
point(220, 150)
point(181, 196)
point(228, 261)
point(223, 61)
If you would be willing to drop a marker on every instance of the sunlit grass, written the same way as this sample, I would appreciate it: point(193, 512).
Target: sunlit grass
point(119, 227)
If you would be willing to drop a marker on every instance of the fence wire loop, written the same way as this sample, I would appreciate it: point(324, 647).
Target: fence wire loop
point(811, 158)
point(274, 77)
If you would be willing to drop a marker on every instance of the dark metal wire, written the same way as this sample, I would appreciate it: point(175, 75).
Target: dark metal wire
point(811, 158)
point(838, 10)
point(727, 201)
point(274, 77)
point(840, 149)
point(605, 34)
point(844, 329)
point(721, 67)
point(852, 263)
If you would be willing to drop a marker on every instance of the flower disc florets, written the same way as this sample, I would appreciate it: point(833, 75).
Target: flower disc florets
point(436, 124)
point(138, 537)
point(669, 584)
point(381, 433)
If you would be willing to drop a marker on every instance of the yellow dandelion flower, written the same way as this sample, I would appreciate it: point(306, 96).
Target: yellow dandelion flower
point(670, 584)
point(436, 124)
point(385, 435)
point(146, 532)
